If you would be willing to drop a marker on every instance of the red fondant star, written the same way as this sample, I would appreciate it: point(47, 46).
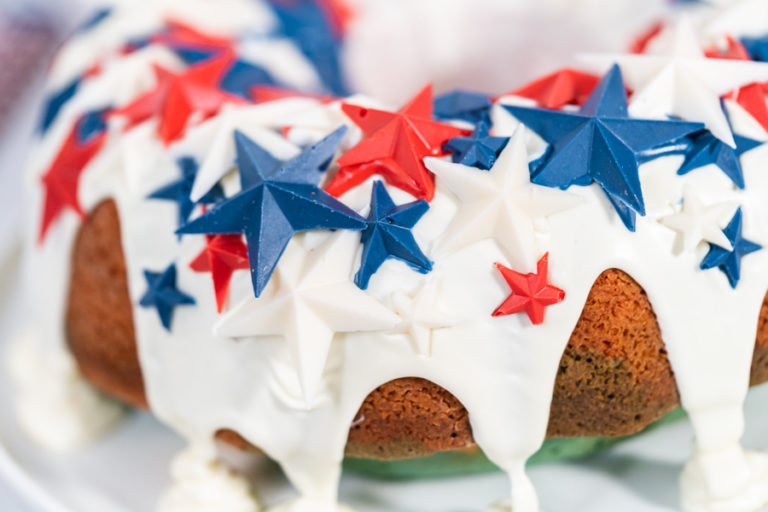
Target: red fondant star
point(530, 292)
point(394, 146)
point(223, 254)
point(751, 97)
point(179, 34)
point(563, 87)
point(62, 179)
point(179, 95)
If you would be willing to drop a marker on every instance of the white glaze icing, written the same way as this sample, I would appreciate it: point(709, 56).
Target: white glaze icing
point(501, 369)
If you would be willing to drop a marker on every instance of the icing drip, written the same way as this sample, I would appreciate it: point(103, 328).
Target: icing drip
point(502, 369)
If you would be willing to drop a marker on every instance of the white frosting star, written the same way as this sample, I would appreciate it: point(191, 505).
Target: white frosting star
point(420, 317)
point(683, 82)
point(698, 222)
point(501, 204)
point(738, 18)
point(309, 299)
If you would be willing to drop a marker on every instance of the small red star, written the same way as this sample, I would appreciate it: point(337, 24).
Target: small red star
point(394, 146)
point(223, 254)
point(751, 97)
point(530, 292)
point(563, 87)
point(178, 96)
point(62, 180)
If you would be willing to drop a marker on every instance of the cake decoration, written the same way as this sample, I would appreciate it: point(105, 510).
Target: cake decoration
point(683, 82)
point(420, 316)
point(277, 200)
point(468, 106)
point(163, 295)
point(223, 254)
point(600, 143)
point(729, 260)
point(531, 293)
point(62, 179)
point(394, 145)
point(697, 221)
point(388, 235)
point(179, 190)
point(478, 150)
point(177, 96)
point(563, 87)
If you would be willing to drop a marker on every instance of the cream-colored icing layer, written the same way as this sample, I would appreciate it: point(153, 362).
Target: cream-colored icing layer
point(502, 369)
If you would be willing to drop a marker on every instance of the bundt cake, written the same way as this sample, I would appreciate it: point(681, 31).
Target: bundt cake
point(221, 233)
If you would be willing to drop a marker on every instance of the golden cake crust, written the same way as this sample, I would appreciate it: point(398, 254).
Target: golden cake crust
point(614, 377)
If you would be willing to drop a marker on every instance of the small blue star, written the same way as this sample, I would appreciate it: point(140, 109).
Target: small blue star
point(388, 235)
point(163, 295)
point(600, 143)
point(56, 101)
point(478, 150)
point(92, 123)
point(757, 47)
point(707, 149)
point(180, 190)
point(467, 106)
point(277, 200)
point(729, 262)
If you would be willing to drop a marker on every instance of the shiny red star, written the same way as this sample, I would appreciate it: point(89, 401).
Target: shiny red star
point(62, 180)
point(563, 87)
point(223, 254)
point(394, 146)
point(178, 96)
point(530, 292)
point(751, 97)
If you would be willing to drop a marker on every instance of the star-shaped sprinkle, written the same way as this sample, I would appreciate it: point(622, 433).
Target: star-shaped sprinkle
point(684, 83)
point(707, 149)
point(180, 190)
point(163, 295)
point(563, 87)
point(729, 261)
point(388, 235)
point(464, 105)
point(531, 293)
point(310, 300)
point(177, 96)
point(501, 203)
point(478, 150)
point(600, 143)
point(277, 200)
point(420, 317)
point(223, 254)
point(698, 222)
point(62, 179)
point(394, 145)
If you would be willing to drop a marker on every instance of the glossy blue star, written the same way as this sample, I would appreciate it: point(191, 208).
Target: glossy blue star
point(478, 150)
point(465, 105)
point(277, 200)
point(707, 149)
point(163, 295)
point(600, 143)
point(757, 47)
point(388, 235)
point(180, 190)
point(729, 262)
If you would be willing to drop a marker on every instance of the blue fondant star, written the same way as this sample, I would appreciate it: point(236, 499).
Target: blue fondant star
point(277, 200)
point(163, 295)
point(92, 123)
point(757, 47)
point(180, 190)
point(388, 235)
point(56, 101)
point(729, 262)
point(707, 149)
point(467, 106)
point(478, 150)
point(600, 143)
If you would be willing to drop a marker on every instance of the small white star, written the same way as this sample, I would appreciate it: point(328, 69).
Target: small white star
point(697, 222)
point(420, 317)
point(501, 204)
point(684, 83)
point(309, 299)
